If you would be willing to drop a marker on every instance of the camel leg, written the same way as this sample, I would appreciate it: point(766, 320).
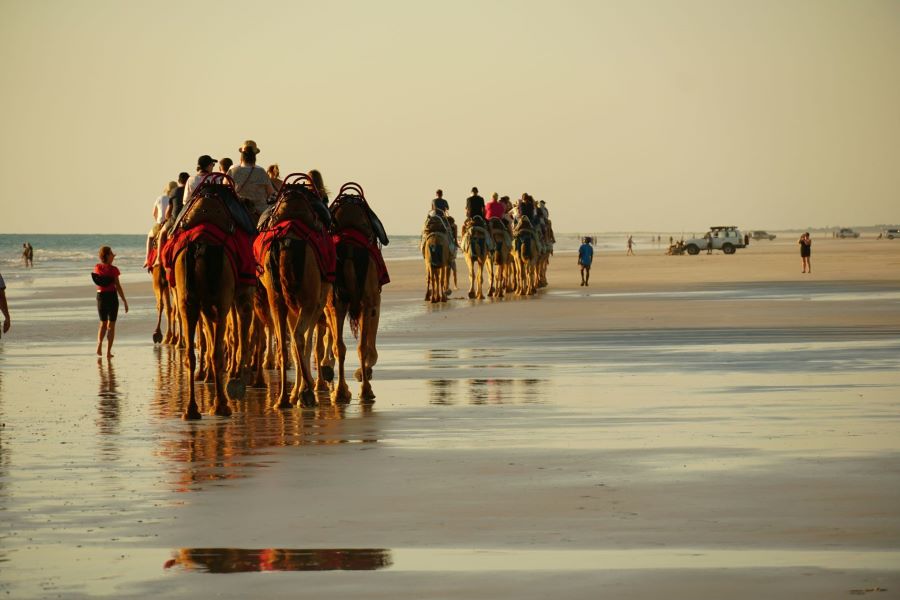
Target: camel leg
point(303, 388)
point(220, 401)
point(341, 392)
point(279, 326)
point(189, 315)
point(322, 377)
point(480, 266)
point(368, 329)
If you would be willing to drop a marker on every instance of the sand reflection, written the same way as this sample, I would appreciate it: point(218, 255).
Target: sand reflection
point(239, 560)
point(212, 451)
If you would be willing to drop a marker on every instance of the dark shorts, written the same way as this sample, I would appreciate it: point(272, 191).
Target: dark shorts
point(108, 306)
point(805, 252)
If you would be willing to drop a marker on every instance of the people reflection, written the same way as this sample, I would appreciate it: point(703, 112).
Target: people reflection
point(442, 390)
point(240, 560)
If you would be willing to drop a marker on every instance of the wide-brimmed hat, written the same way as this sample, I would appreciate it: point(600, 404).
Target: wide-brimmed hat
point(249, 144)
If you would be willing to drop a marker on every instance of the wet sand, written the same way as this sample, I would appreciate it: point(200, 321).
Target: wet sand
point(706, 427)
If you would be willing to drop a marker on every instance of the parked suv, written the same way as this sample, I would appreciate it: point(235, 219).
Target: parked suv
point(846, 232)
point(761, 235)
point(891, 233)
point(726, 238)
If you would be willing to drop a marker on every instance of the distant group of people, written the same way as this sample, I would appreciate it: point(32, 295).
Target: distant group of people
point(499, 207)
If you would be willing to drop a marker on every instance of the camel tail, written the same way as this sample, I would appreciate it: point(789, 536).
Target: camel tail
point(361, 261)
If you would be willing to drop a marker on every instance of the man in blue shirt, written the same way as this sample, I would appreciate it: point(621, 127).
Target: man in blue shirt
point(585, 258)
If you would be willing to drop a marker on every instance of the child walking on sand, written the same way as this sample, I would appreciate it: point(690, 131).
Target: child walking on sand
point(805, 251)
point(106, 276)
point(585, 258)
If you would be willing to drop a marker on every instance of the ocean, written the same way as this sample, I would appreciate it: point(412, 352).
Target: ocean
point(67, 259)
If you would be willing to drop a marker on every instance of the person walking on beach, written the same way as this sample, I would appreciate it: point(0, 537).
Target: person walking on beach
point(27, 255)
point(585, 258)
point(4, 308)
point(252, 184)
point(709, 243)
point(106, 276)
point(630, 244)
point(440, 206)
point(805, 251)
point(474, 204)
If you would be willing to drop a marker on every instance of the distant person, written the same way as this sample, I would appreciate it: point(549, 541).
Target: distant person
point(585, 258)
point(630, 245)
point(274, 173)
point(494, 209)
point(671, 240)
point(805, 251)
point(28, 255)
point(4, 308)
point(746, 239)
point(527, 208)
point(251, 183)
point(106, 276)
point(544, 211)
point(474, 205)
point(709, 243)
point(225, 165)
point(160, 213)
point(439, 205)
point(177, 201)
point(322, 208)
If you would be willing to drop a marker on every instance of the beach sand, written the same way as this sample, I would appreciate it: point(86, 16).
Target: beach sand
point(703, 427)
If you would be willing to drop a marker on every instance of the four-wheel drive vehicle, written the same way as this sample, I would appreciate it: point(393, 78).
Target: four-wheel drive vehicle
point(762, 235)
point(846, 232)
point(891, 233)
point(726, 238)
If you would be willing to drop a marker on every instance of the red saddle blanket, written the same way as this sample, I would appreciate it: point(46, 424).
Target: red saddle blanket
point(320, 241)
point(238, 248)
point(351, 236)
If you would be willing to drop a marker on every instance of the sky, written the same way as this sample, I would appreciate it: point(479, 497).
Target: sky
point(638, 115)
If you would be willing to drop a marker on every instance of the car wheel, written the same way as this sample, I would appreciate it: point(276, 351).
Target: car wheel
point(727, 248)
point(692, 249)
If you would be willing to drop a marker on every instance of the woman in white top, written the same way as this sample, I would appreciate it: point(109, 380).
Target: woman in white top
point(160, 210)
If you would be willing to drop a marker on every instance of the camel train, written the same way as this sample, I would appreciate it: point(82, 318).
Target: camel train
point(515, 253)
point(238, 296)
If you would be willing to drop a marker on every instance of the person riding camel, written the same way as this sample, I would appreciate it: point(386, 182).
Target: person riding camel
point(440, 208)
point(251, 183)
point(160, 214)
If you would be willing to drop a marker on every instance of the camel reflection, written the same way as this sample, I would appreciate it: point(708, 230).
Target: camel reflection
point(238, 560)
point(213, 451)
point(442, 390)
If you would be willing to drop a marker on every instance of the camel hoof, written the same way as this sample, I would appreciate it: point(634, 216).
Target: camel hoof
point(327, 373)
point(221, 410)
point(307, 399)
point(471, 294)
point(236, 389)
point(367, 396)
point(322, 385)
point(283, 405)
point(191, 414)
point(157, 337)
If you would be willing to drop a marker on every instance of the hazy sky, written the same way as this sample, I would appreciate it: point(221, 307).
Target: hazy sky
point(634, 115)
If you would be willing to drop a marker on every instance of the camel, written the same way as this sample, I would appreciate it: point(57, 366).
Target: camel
point(436, 252)
point(203, 257)
point(499, 257)
point(297, 257)
point(361, 272)
point(547, 240)
point(526, 251)
point(477, 245)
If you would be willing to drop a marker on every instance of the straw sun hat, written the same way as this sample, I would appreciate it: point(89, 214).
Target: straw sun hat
point(249, 144)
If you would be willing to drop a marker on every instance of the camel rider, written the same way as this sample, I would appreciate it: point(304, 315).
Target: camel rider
point(160, 212)
point(440, 204)
point(494, 209)
point(474, 204)
point(251, 183)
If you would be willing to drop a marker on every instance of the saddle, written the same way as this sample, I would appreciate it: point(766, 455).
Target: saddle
point(215, 202)
point(298, 199)
point(351, 194)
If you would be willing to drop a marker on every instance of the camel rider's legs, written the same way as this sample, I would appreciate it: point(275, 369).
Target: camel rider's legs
point(153, 234)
